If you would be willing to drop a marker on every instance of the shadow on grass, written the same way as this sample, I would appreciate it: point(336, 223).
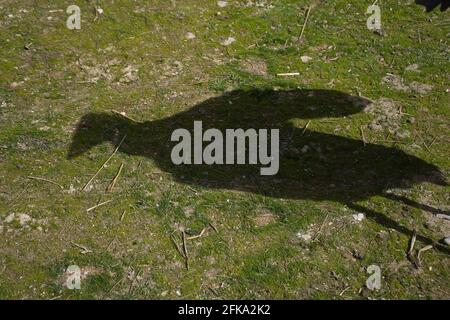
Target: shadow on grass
point(313, 165)
point(431, 4)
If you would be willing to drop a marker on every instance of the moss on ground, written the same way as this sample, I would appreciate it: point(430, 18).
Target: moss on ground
point(135, 58)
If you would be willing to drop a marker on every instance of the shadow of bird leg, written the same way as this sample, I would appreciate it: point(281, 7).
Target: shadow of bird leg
point(387, 222)
point(415, 204)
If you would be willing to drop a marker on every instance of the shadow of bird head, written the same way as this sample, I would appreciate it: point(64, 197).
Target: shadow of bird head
point(95, 128)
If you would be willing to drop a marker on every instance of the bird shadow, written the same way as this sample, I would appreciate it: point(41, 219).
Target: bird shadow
point(313, 165)
point(430, 5)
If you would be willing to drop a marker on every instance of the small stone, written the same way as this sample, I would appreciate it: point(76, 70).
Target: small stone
point(188, 211)
point(24, 219)
point(358, 217)
point(222, 4)
point(402, 134)
point(375, 126)
point(130, 74)
point(10, 217)
point(264, 218)
point(304, 236)
point(178, 64)
point(395, 82)
point(383, 235)
point(255, 66)
point(190, 36)
point(305, 59)
point(412, 67)
point(420, 87)
point(228, 41)
point(446, 241)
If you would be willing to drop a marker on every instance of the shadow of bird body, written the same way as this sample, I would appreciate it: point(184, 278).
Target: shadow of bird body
point(430, 5)
point(312, 165)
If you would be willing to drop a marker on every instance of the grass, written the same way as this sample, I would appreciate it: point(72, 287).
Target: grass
point(65, 74)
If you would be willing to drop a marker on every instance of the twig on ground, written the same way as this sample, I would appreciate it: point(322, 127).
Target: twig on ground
point(85, 250)
point(182, 252)
point(197, 236)
point(177, 246)
point(443, 291)
point(410, 253)
point(116, 284)
point(321, 227)
point(289, 74)
point(214, 228)
point(426, 146)
point(423, 142)
point(46, 180)
point(432, 142)
point(16, 198)
point(103, 165)
point(443, 216)
point(306, 127)
point(343, 291)
point(113, 181)
point(186, 256)
point(423, 250)
point(304, 24)
point(130, 290)
point(123, 215)
point(125, 116)
point(98, 205)
point(213, 291)
point(412, 242)
point(192, 189)
point(111, 243)
point(362, 135)
point(96, 13)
